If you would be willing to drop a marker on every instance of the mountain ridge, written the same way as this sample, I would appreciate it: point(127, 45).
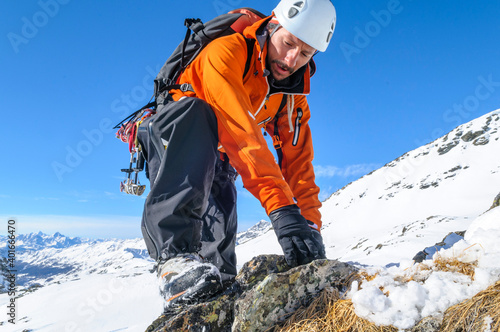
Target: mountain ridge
point(427, 193)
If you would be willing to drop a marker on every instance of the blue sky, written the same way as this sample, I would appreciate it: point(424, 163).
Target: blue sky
point(397, 75)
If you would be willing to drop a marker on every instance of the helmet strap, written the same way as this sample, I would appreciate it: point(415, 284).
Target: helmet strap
point(274, 30)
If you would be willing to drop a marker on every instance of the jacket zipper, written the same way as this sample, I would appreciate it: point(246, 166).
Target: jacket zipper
point(297, 126)
point(265, 99)
point(264, 121)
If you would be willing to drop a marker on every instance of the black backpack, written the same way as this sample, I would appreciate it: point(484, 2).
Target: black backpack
point(198, 35)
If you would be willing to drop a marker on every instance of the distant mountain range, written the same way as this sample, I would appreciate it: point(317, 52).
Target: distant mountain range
point(43, 259)
point(37, 241)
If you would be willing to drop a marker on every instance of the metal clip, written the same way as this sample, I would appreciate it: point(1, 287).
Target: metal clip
point(129, 185)
point(185, 87)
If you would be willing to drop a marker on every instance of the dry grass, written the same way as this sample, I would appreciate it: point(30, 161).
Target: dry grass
point(471, 315)
point(454, 265)
point(312, 314)
point(329, 313)
point(422, 271)
point(363, 275)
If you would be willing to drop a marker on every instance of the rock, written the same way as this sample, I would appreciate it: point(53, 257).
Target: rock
point(481, 141)
point(428, 324)
point(279, 295)
point(264, 292)
point(259, 268)
point(469, 136)
point(447, 147)
point(496, 202)
point(214, 316)
point(448, 241)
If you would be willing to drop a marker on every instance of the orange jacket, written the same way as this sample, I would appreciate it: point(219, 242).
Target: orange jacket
point(246, 106)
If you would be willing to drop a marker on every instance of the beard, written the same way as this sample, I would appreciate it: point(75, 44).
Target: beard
point(283, 66)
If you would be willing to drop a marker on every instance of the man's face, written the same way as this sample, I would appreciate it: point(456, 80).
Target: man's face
point(287, 53)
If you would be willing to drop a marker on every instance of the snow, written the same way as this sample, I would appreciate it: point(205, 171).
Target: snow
point(389, 301)
point(102, 302)
point(409, 302)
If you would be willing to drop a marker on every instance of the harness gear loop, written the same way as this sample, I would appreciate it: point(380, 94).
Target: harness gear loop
point(128, 134)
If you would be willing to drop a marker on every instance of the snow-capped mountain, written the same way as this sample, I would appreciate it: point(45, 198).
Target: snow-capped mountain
point(411, 202)
point(253, 232)
point(36, 241)
point(43, 259)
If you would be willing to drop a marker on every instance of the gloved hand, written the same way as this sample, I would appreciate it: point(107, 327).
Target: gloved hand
point(296, 238)
point(319, 238)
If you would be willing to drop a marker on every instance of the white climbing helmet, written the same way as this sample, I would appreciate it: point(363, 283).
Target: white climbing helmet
point(312, 21)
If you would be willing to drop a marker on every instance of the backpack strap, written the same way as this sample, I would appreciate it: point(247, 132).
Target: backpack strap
point(132, 116)
point(250, 44)
point(192, 24)
point(276, 135)
point(187, 87)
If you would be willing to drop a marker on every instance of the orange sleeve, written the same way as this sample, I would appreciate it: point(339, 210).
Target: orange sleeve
point(298, 154)
point(222, 66)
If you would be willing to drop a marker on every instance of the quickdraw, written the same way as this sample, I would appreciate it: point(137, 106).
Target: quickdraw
point(128, 134)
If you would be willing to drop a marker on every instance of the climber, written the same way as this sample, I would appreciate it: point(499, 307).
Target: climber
point(212, 131)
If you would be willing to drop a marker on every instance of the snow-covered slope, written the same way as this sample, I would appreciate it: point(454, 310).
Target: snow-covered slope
point(411, 202)
point(383, 219)
point(402, 295)
point(43, 259)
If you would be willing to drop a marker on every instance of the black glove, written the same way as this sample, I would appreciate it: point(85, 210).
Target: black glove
point(296, 238)
point(319, 238)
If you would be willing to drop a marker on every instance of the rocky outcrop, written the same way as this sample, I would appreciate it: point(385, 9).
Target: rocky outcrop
point(428, 324)
point(279, 295)
point(496, 202)
point(477, 136)
point(446, 243)
point(265, 293)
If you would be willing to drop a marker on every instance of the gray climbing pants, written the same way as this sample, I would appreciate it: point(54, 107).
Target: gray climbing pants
point(191, 206)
